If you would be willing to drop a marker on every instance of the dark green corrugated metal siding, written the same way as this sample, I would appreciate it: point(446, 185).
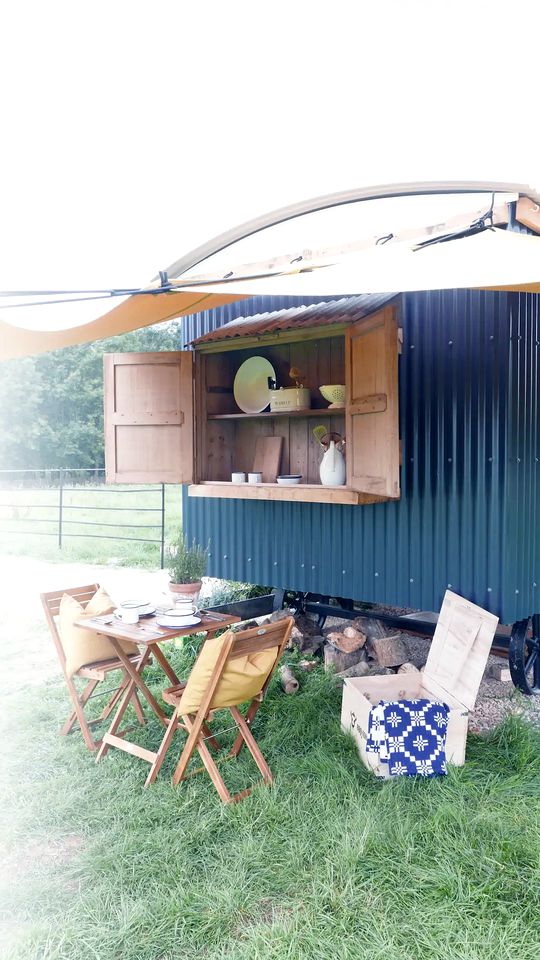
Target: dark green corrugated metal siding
point(455, 522)
point(453, 395)
point(523, 534)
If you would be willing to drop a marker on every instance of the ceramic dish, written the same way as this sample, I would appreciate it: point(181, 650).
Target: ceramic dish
point(175, 622)
point(250, 386)
point(144, 610)
point(334, 393)
point(288, 480)
point(179, 613)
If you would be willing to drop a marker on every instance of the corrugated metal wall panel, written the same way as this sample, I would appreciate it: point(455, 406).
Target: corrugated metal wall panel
point(523, 535)
point(454, 523)
point(453, 400)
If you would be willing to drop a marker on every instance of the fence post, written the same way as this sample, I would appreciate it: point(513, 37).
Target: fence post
point(162, 525)
point(60, 506)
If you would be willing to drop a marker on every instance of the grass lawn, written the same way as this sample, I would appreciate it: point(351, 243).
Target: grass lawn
point(29, 523)
point(329, 864)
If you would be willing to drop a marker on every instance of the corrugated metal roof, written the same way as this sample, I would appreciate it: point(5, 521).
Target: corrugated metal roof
point(345, 310)
point(197, 324)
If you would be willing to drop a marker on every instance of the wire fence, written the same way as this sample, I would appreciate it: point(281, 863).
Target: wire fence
point(72, 499)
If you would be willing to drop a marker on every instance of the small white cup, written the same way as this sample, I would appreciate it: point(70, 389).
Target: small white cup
point(129, 614)
point(184, 606)
point(238, 477)
point(254, 477)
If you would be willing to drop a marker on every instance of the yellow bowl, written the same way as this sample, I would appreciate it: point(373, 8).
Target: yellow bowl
point(334, 393)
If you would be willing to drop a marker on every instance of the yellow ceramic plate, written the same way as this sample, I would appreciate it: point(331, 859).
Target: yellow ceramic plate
point(250, 387)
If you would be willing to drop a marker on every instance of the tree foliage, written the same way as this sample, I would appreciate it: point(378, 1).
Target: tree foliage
point(51, 405)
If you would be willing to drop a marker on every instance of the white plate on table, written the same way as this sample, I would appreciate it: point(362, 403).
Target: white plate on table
point(180, 622)
point(175, 612)
point(144, 610)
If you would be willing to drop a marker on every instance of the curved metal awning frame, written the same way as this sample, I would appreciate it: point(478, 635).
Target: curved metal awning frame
point(326, 201)
point(148, 309)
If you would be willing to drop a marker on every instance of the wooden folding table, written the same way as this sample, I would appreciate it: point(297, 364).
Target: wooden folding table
point(148, 634)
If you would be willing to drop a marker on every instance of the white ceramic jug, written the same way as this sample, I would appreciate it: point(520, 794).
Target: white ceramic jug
point(332, 469)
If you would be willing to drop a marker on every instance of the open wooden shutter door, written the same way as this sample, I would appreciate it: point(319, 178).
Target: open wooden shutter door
point(149, 417)
point(372, 415)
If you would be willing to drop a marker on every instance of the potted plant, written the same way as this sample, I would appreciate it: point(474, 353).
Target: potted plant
point(186, 565)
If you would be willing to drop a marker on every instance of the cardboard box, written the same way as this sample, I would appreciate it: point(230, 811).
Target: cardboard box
point(453, 672)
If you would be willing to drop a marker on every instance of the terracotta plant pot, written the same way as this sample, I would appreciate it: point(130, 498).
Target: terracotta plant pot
point(190, 590)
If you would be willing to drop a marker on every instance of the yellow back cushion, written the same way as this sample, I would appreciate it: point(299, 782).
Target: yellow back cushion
point(86, 646)
point(242, 679)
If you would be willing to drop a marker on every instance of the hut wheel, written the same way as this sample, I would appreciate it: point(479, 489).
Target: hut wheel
point(524, 655)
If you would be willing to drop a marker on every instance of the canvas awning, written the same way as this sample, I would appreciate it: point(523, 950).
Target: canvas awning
point(495, 259)
point(138, 311)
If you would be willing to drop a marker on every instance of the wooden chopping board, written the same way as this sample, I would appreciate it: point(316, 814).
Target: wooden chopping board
point(267, 457)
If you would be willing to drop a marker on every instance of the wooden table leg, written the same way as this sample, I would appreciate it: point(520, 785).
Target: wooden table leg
point(135, 674)
point(165, 665)
point(104, 748)
point(134, 683)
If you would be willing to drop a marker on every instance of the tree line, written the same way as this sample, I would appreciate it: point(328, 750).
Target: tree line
point(51, 405)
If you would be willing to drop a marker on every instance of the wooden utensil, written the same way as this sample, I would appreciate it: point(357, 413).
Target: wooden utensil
point(268, 457)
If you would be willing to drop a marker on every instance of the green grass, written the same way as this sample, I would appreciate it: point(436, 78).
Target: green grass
point(29, 523)
point(329, 863)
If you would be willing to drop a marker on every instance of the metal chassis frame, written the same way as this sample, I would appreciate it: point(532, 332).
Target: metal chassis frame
point(520, 643)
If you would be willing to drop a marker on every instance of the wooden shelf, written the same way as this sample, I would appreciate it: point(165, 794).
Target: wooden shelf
point(301, 492)
point(269, 414)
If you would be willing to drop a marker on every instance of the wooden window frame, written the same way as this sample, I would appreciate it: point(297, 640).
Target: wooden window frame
point(367, 414)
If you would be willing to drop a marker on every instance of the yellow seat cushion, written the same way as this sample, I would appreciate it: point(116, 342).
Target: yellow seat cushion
point(82, 647)
point(242, 679)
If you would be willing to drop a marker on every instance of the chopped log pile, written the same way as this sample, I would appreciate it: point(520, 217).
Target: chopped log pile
point(362, 647)
point(366, 647)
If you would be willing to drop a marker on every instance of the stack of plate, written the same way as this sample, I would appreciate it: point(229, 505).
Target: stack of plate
point(177, 618)
point(144, 609)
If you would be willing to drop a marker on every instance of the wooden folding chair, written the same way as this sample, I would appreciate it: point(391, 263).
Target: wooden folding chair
point(232, 646)
point(94, 673)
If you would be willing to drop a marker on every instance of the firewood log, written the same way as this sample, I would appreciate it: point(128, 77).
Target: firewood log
point(340, 660)
point(408, 667)
point(288, 680)
point(308, 665)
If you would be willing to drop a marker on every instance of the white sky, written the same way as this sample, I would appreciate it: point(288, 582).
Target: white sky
point(133, 131)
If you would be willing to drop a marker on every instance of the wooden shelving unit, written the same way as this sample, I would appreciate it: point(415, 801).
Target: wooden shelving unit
point(306, 492)
point(272, 414)
point(363, 357)
point(171, 417)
